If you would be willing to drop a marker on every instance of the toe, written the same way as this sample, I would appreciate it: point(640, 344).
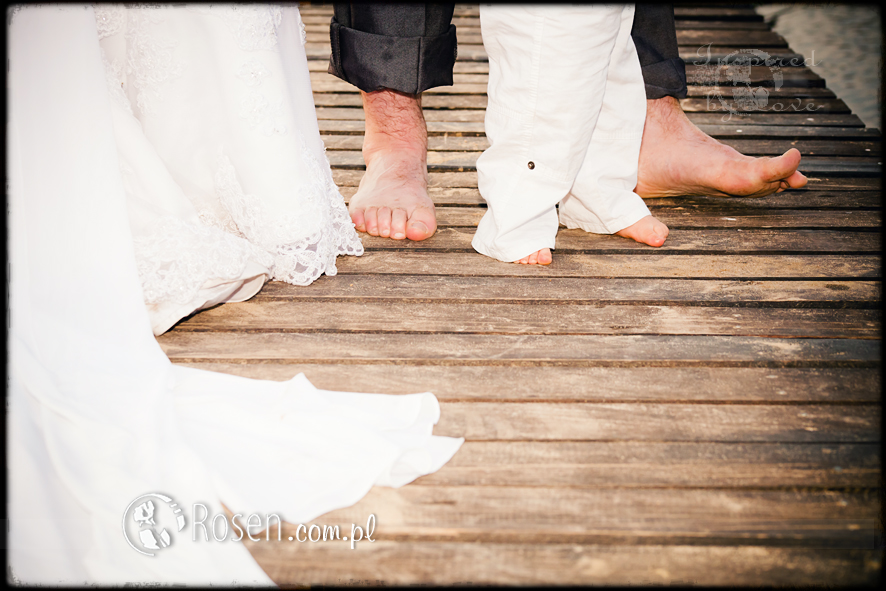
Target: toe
point(398, 224)
point(783, 166)
point(384, 221)
point(544, 256)
point(421, 224)
point(533, 258)
point(357, 218)
point(370, 215)
point(797, 180)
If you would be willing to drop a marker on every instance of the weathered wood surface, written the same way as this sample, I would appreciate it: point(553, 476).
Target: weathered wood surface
point(385, 563)
point(707, 412)
point(638, 265)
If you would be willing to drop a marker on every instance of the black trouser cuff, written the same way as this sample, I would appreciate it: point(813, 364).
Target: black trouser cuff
point(666, 78)
point(406, 64)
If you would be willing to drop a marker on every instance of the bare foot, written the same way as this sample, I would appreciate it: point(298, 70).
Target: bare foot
point(392, 200)
point(647, 230)
point(539, 257)
point(677, 158)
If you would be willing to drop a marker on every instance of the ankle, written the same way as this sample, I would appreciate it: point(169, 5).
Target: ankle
point(394, 117)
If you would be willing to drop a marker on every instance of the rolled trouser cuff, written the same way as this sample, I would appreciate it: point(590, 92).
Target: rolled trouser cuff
point(665, 78)
point(406, 64)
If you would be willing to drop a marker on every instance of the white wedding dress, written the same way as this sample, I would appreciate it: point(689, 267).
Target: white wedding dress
point(161, 161)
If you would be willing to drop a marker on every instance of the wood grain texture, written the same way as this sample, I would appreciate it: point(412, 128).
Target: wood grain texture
point(710, 266)
point(587, 318)
point(690, 240)
point(536, 515)
point(467, 143)
point(538, 290)
point(724, 218)
point(392, 563)
point(704, 413)
point(722, 385)
point(520, 350)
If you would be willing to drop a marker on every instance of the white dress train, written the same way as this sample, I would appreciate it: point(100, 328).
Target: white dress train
point(177, 163)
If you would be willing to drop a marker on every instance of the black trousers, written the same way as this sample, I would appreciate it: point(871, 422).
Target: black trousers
point(412, 47)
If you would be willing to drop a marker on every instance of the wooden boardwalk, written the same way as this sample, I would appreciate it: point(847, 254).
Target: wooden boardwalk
point(707, 412)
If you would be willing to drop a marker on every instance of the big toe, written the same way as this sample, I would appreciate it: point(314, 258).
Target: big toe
point(358, 219)
point(783, 166)
point(658, 234)
point(421, 225)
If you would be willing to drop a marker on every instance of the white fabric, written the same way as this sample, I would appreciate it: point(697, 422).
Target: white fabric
point(97, 414)
point(222, 161)
point(566, 93)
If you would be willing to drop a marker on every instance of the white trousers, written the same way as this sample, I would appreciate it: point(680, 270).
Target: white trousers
point(564, 121)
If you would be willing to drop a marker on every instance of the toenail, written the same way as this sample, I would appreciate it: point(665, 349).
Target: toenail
point(399, 236)
point(531, 165)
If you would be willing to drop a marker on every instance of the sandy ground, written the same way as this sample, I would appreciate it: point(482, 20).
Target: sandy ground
point(845, 42)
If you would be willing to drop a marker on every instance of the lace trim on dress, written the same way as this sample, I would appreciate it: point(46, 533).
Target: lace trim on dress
point(301, 28)
point(110, 19)
point(150, 61)
point(254, 27)
point(178, 257)
point(301, 254)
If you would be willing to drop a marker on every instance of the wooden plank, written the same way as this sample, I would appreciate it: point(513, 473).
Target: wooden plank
point(721, 385)
point(590, 318)
point(472, 96)
point(699, 13)
point(525, 350)
point(683, 241)
point(543, 421)
point(824, 182)
point(744, 129)
point(729, 38)
point(463, 564)
point(640, 264)
point(463, 161)
point(538, 515)
point(681, 219)
point(468, 179)
point(779, 119)
point(809, 200)
point(772, 147)
point(540, 290)
point(621, 464)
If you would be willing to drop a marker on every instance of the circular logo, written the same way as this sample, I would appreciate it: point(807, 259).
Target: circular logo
point(144, 520)
point(745, 97)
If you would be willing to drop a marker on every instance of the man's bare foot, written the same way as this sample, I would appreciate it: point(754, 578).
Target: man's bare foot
point(392, 200)
point(677, 158)
point(647, 230)
point(539, 257)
